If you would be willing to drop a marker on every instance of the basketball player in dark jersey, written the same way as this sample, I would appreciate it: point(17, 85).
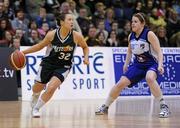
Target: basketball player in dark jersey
point(57, 62)
point(148, 63)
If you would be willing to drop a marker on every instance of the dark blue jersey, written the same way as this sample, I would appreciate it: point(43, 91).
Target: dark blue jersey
point(60, 52)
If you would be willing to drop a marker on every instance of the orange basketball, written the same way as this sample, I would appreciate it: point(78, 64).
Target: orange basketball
point(17, 60)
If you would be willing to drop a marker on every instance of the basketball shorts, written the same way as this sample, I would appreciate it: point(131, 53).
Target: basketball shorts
point(136, 73)
point(46, 72)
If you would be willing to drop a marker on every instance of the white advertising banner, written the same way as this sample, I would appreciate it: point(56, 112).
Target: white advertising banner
point(84, 82)
point(96, 80)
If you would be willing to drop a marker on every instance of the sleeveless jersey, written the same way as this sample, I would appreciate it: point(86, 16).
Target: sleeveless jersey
point(142, 49)
point(60, 52)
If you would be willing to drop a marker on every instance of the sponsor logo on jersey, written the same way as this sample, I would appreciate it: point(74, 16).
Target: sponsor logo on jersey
point(67, 48)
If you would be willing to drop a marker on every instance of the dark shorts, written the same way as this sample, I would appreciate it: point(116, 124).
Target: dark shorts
point(46, 72)
point(136, 73)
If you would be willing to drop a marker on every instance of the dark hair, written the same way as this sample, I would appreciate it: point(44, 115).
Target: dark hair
point(60, 17)
point(99, 33)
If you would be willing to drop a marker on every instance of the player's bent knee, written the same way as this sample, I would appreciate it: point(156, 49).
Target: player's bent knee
point(123, 82)
point(37, 87)
point(150, 79)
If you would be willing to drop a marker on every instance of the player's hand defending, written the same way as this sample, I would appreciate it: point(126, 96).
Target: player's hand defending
point(86, 61)
point(161, 69)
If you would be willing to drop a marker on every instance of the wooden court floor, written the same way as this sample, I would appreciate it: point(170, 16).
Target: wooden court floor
point(124, 113)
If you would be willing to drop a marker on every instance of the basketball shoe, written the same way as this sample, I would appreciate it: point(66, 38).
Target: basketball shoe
point(102, 110)
point(35, 113)
point(164, 111)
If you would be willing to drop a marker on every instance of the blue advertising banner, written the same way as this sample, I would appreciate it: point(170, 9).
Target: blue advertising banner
point(140, 89)
point(169, 81)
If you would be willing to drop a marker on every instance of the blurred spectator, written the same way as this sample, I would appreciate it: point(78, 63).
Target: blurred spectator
point(161, 34)
point(72, 6)
point(42, 17)
point(176, 7)
point(99, 13)
point(90, 4)
point(33, 38)
point(175, 40)
point(16, 43)
point(118, 10)
point(20, 5)
point(91, 39)
point(112, 41)
point(156, 20)
point(6, 39)
point(148, 8)
point(115, 27)
point(123, 37)
point(33, 6)
point(83, 21)
point(2, 14)
point(109, 18)
point(51, 6)
point(32, 25)
point(162, 9)
point(82, 4)
point(43, 30)
point(101, 27)
point(23, 39)
point(8, 11)
point(101, 38)
point(173, 24)
point(128, 10)
point(138, 7)
point(20, 21)
point(5, 24)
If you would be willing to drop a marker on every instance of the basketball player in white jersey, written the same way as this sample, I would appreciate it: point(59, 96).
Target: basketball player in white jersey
point(148, 64)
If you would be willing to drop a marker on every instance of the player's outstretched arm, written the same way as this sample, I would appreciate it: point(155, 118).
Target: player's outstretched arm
point(47, 40)
point(79, 39)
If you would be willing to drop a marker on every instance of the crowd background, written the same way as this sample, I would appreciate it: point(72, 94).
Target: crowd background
point(104, 23)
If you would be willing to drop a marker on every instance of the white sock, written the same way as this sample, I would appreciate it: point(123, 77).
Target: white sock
point(39, 104)
point(109, 101)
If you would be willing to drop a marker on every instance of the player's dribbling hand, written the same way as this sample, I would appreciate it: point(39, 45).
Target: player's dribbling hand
point(161, 69)
point(86, 61)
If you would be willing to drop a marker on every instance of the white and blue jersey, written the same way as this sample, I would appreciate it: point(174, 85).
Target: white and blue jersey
point(145, 58)
point(141, 48)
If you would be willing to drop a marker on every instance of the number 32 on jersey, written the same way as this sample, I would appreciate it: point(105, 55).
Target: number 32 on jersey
point(64, 56)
